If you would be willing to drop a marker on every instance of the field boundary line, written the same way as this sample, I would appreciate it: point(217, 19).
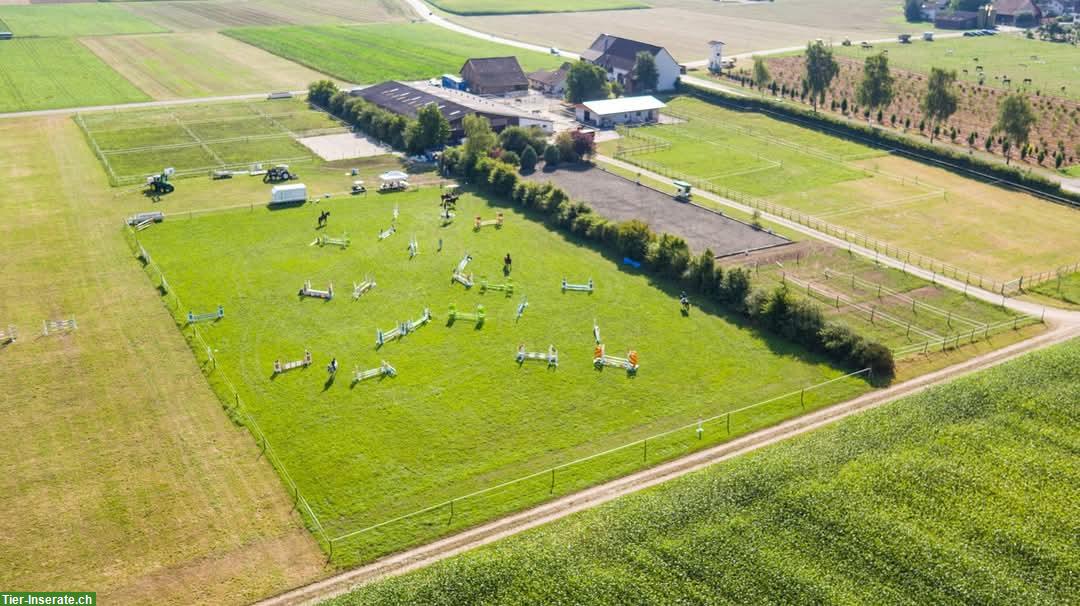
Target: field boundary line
point(887, 204)
point(198, 139)
point(904, 297)
point(489, 532)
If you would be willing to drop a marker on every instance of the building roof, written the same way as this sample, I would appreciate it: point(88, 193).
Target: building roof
point(405, 100)
point(616, 52)
point(551, 78)
point(495, 72)
point(1015, 7)
point(607, 107)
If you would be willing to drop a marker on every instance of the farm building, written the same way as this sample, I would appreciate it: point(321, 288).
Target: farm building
point(550, 82)
point(617, 56)
point(1021, 13)
point(494, 76)
point(406, 100)
point(956, 20)
point(716, 56)
point(607, 113)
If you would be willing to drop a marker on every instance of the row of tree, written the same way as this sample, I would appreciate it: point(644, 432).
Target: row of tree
point(939, 102)
point(430, 129)
point(667, 255)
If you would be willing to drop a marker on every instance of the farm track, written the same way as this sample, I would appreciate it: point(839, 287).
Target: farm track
point(484, 534)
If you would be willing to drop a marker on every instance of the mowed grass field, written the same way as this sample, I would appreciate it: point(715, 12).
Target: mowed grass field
point(991, 231)
point(58, 72)
point(197, 64)
point(1066, 288)
point(196, 138)
point(494, 7)
point(1053, 68)
point(461, 415)
point(126, 478)
point(85, 19)
point(368, 54)
point(963, 494)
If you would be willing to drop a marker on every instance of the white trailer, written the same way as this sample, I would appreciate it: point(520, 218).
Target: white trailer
point(288, 194)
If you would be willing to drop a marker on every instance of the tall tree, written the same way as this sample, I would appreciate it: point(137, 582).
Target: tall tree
point(586, 82)
point(762, 77)
point(876, 89)
point(1015, 119)
point(645, 74)
point(821, 68)
point(320, 91)
point(913, 10)
point(479, 138)
point(939, 102)
point(431, 129)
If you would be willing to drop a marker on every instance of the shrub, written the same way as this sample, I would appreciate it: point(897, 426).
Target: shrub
point(634, 237)
point(528, 159)
point(551, 156)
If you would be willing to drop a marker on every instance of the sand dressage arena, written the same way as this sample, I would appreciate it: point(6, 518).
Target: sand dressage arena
point(344, 146)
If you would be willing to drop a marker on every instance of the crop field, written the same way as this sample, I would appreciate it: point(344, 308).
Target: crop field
point(496, 7)
point(194, 139)
point(58, 72)
point(903, 312)
point(144, 490)
point(93, 19)
point(965, 493)
point(1052, 67)
point(1000, 234)
point(684, 27)
point(372, 53)
point(198, 64)
point(461, 415)
point(183, 15)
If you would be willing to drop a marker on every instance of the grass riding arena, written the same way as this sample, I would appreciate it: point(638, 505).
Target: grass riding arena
point(461, 415)
point(497, 7)
point(942, 497)
point(372, 53)
point(46, 73)
point(195, 139)
point(1052, 67)
point(999, 234)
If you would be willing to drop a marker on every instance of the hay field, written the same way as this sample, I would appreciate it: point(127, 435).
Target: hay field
point(126, 477)
point(86, 19)
point(184, 15)
point(517, 7)
point(46, 73)
point(198, 64)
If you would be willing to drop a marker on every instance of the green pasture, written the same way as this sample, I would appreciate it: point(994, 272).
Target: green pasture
point(373, 53)
point(58, 72)
point(987, 230)
point(963, 494)
point(461, 416)
point(518, 7)
point(59, 20)
point(202, 136)
point(1066, 288)
point(1052, 67)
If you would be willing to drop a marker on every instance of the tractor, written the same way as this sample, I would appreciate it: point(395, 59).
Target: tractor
point(278, 174)
point(682, 191)
point(157, 185)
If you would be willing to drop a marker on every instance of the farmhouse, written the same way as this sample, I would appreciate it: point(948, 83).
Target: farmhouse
point(1021, 13)
point(607, 113)
point(407, 100)
point(550, 82)
point(494, 76)
point(617, 56)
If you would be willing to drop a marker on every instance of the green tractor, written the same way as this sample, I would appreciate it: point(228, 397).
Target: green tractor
point(157, 185)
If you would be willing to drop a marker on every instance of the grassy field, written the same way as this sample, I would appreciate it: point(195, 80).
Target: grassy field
point(366, 453)
point(1066, 288)
point(373, 53)
point(127, 478)
point(1053, 67)
point(73, 20)
point(964, 494)
point(194, 139)
point(189, 16)
point(58, 72)
point(198, 64)
point(493, 7)
point(1000, 234)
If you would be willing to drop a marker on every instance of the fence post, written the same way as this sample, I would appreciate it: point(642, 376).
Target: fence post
point(645, 450)
point(802, 398)
point(451, 520)
point(552, 489)
point(729, 423)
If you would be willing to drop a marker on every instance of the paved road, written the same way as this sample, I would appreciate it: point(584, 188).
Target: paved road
point(425, 13)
